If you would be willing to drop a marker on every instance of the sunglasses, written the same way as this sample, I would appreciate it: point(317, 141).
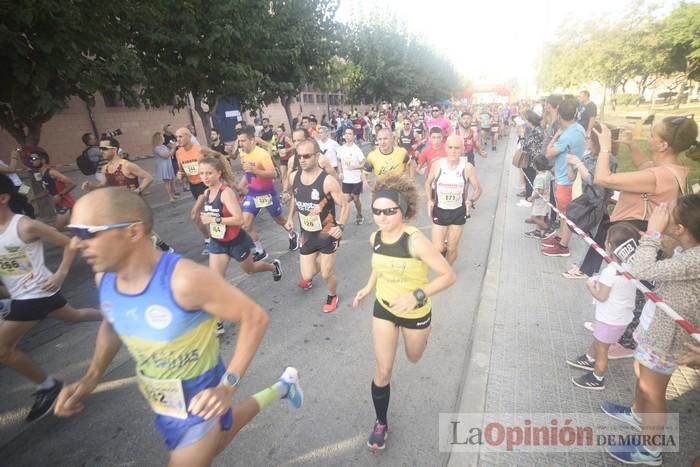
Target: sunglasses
point(308, 155)
point(106, 148)
point(435, 110)
point(87, 232)
point(676, 122)
point(386, 211)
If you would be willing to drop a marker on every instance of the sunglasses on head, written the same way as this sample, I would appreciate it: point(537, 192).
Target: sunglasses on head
point(86, 232)
point(106, 148)
point(307, 155)
point(677, 122)
point(385, 211)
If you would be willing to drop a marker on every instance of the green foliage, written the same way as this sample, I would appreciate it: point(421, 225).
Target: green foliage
point(629, 99)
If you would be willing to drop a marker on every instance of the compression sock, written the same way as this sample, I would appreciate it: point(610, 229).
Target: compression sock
point(380, 397)
point(269, 395)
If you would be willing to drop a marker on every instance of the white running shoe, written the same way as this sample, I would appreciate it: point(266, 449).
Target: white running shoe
point(295, 395)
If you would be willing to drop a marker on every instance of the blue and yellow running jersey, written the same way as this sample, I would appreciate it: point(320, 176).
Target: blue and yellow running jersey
point(166, 341)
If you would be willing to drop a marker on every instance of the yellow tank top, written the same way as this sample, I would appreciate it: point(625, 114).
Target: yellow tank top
point(398, 272)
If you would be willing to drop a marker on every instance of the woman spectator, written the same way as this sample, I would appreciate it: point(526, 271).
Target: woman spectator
point(532, 142)
point(164, 169)
point(659, 180)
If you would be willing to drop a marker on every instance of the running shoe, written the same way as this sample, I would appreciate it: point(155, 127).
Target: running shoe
point(277, 273)
point(535, 234)
point(622, 413)
point(259, 256)
point(331, 304)
point(220, 328)
point(551, 233)
point(44, 400)
point(377, 439)
point(589, 381)
point(630, 453)
point(294, 395)
point(590, 326)
point(304, 284)
point(359, 220)
point(551, 241)
point(293, 241)
point(582, 363)
point(574, 273)
point(617, 351)
point(557, 250)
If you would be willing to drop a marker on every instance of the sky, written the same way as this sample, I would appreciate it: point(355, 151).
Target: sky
point(489, 41)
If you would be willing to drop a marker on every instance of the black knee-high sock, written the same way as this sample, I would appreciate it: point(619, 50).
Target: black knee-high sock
point(380, 397)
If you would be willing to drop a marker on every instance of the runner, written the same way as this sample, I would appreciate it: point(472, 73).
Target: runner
point(329, 147)
point(433, 152)
point(34, 290)
point(408, 139)
point(388, 159)
point(438, 120)
point(162, 307)
point(118, 171)
point(188, 156)
point(314, 197)
point(354, 180)
point(401, 258)
point(485, 125)
point(55, 184)
point(495, 128)
point(299, 135)
point(259, 186)
point(447, 188)
point(284, 149)
point(470, 137)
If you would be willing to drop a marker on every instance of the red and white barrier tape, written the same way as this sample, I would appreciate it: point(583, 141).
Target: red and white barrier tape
point(651, 295)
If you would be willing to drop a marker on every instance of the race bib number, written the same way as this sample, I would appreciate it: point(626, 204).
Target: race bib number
point(263, 201)
point(15, 264)
point(165, 396)
point(450, 199)
point(217, 231)
point(191, 168)
point(310, 223)
point(494, 129)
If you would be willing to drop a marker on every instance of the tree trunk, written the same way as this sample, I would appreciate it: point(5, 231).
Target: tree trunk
point(286, 102)
point(95, 131)
point(679, 98)
point(602, 106)
point(204, 116)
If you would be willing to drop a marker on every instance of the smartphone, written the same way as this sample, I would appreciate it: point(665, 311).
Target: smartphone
point(615, 132)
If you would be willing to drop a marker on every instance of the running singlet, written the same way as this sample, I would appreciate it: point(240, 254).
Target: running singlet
point(393, 163)
point(406, 141)
point(468, 137)
point(176, 350)
point(22, 268)
point(54, 186)
point(398, 272)
point(316, 209)
point(117, 178)
point(189, 160)
point(485, 120)
point(450, 185)
point(283, 145)
point(263, 161)
point(220, 232)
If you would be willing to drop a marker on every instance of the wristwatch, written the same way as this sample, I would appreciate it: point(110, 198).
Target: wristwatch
point(420, 296)
point(230, 380)
point(341, 227)
point(217, 219)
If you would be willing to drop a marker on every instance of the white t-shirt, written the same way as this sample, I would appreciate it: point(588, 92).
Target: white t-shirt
point(329, 148)
point(14, 177)
point(351, 156)
point(618, 309)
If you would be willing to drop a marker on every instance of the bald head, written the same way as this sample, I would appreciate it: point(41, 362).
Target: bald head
point(112, 205)
point(183, 137)
point(454, 146)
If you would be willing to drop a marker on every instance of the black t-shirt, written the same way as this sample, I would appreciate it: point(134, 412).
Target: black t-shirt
point(220, 148)
point(589, 110)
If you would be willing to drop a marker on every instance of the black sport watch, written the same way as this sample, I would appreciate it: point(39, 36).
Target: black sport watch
point(420, 296)
point(217, 219)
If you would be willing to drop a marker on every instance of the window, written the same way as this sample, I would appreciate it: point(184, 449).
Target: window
point(111, 98)
point(334, 99)
point(320, 98)
point(307, 98)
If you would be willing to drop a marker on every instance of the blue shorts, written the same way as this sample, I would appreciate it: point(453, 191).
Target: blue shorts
point(239, 248)
point(179, 433)
point(248, 205)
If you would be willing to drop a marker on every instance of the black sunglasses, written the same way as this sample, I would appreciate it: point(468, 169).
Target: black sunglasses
point(677, 122)
point(87, 232)
point(308, 155)
point(385, 211)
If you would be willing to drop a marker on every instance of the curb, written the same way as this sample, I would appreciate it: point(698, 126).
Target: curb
point(477, 360)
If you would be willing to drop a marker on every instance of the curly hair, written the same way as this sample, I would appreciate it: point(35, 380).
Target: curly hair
point(406, 188)
point(219, 162)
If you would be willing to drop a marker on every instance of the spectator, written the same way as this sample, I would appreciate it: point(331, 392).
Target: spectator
point(587, 112)
point(267, 131)
point(93, 152)
point(570, 139)
point(532, 142)
point(170, 141)
point(661, 342)
point(539, 193)
point(12, 168)
point(164, 169)
point(215, 143)
point(614, 309)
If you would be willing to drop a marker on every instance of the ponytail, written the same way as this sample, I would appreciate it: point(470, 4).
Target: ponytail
point(220, 163)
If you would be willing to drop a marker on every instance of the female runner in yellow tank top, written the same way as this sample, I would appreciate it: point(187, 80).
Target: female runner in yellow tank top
point(401, 258)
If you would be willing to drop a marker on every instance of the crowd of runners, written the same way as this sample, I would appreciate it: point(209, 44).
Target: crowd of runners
point(310, 181)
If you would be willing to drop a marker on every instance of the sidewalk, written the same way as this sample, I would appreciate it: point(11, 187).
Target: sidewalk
point(530, 321)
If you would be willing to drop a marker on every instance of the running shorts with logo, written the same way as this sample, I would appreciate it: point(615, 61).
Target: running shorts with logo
point(35, 309)
point(239, 248)
point(450, 216)
point(176, 352)
point(255, 201)
point(352, 188)
point(408, 323)
point(318, 243)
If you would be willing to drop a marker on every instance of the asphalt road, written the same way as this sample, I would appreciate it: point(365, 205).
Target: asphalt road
point(332, 352)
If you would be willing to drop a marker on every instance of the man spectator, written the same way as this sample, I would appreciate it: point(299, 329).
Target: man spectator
point(587, 112)
point(94, 154)
point(570, 139)
point(215, 142)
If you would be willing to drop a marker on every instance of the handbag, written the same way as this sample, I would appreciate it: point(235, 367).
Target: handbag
point(520, 159)
point(585, 211)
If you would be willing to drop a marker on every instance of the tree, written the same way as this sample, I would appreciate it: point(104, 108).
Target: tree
point(54, 50)
point(681, 33)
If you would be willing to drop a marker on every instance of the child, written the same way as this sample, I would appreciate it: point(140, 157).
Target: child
point(661, 344)
point(541, 186)
point(614, 309)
